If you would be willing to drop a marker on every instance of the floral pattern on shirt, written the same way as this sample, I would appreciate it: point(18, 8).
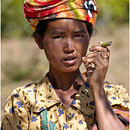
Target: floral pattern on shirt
point(23, 108)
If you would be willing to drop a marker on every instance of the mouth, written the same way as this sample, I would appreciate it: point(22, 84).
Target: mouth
point(70, 60)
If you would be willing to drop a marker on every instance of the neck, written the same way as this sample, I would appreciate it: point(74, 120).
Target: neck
point(65, 80)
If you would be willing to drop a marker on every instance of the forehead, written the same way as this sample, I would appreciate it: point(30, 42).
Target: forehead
point(66, 24)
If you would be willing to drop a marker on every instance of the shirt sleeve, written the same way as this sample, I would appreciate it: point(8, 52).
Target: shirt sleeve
point(119, 100)
point(15, 113)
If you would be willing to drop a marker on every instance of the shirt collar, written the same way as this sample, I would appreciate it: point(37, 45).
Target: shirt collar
point(47, 97)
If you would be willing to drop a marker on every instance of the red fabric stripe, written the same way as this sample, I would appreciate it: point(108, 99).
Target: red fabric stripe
point(34, 13)
point(48, 12)
point(53, 126)
point(30, 13)
point(88, 18)
point(125, 114)
point(44, 125)
point(28, 5)
point(51, 2)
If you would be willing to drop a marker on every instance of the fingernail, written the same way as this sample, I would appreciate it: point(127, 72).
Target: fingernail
point(90, 48)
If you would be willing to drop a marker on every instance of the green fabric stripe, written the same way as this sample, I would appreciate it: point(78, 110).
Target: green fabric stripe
point(52, 125)
point(44, 115)
point(44, 123)
point(77, 13)
point(44, 126)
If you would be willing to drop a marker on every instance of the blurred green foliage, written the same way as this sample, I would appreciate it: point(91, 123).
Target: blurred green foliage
point(15, 25)
point(12, 19)
point(113, 12)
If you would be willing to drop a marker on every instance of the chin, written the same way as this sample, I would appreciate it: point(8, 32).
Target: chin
point(70, 69)
point(67, 68)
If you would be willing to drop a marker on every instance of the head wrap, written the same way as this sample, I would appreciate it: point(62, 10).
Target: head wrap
point(37, 10)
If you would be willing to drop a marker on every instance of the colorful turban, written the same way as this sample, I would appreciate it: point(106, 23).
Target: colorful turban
point(37, 10)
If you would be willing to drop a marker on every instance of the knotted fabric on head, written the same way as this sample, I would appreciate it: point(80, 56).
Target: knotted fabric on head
point(37, 10)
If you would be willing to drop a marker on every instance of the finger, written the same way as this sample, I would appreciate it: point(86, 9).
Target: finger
point(84, 59)
point(94, 54)
point(90, 71)
point(95, 63)
point(98, 49)
point(104, 51)
point(92, 57)
point(99, 57)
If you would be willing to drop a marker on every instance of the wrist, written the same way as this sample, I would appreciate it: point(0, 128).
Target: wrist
point(97, 89)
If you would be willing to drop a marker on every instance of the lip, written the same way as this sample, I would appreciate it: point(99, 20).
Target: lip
point(70, 60)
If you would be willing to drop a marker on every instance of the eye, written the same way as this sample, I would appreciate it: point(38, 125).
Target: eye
point(57, 37)
point(78, 35)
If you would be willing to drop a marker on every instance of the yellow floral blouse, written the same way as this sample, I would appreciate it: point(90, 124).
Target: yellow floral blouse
point(25, 105)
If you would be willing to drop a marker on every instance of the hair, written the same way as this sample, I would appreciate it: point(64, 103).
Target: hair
point(42, 26)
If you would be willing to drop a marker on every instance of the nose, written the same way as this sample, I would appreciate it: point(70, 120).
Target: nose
point(69, 46)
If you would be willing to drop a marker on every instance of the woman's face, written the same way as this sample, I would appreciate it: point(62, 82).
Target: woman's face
point(65, 43)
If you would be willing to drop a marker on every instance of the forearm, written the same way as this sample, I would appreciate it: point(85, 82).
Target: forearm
point(106, 118)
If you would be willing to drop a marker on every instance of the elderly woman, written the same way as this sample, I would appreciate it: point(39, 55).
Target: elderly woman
point(66, 98)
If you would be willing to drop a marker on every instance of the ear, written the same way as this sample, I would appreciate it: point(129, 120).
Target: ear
point(39, 40)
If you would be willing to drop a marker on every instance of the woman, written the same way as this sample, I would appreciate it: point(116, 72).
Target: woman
point(65, 98)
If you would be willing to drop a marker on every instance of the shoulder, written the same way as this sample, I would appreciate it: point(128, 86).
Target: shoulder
point(17, 108)
point(28, 89)
point(27, 94)
point(117, 95)
point(117, 90)
point(22, 95)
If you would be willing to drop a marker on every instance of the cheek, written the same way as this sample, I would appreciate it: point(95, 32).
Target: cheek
point(84, 46)
point(84, 51)
point(51, 57)
point(52, 51)
point(51, 45)
point(47, 49)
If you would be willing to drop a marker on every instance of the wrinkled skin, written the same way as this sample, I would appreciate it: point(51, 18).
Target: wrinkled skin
point(61, 42)
point(96, 74)
point(65, 44)
point(70, 38)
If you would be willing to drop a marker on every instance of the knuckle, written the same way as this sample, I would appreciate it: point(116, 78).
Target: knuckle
point(101, 67)
point(106, 65)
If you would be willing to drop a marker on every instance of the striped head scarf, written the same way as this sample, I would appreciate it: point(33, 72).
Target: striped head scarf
point(37, 10)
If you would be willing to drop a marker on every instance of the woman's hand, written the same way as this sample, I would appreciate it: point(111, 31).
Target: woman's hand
point(96, 64)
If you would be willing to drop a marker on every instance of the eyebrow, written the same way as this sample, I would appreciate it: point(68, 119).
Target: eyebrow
point(62, 32)
point(80, 31)
point(57, 32)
